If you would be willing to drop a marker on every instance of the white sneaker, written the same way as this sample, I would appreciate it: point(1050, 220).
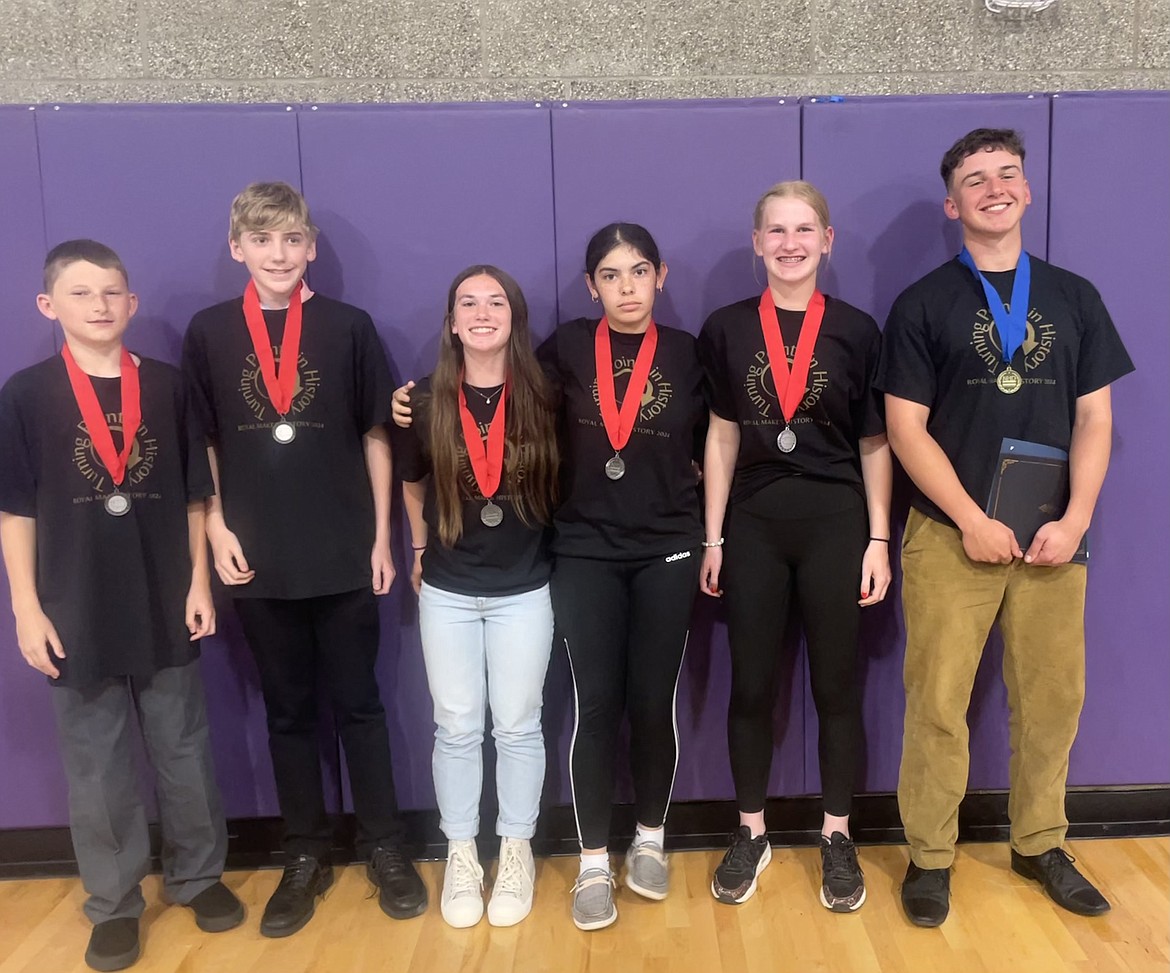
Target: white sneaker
point(511, 897)
point(462, 903)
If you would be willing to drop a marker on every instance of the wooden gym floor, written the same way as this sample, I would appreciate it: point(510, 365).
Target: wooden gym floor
point(999, 923)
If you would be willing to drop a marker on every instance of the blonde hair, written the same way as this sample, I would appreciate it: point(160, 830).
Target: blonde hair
point(795, 189)
point(269, 206)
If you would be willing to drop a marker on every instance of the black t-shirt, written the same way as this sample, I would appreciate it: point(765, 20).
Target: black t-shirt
point(303, 511)
point(508, 559)
point(654, 509)
point(839, 408)
point(115, 588)
point(942, 350)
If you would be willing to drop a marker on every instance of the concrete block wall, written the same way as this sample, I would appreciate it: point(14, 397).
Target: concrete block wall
point(534, 50)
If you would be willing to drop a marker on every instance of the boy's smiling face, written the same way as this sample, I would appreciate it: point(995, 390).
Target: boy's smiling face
point(276, 259)
point(93, 304)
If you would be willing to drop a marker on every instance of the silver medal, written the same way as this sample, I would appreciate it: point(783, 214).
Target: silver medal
point(284, 433)
point(786, 440)
point(615, 467)
point(491, 515)
point(117, 504)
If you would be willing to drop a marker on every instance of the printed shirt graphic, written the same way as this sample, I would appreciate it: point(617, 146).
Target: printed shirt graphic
point(115, 588)
point(942, 350)
point(486, 561)
point(840, 405)
point(654, 509)
point(302, 511)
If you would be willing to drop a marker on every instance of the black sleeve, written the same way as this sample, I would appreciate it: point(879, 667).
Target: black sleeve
point(549, 357)
point(870, 416)
point(197, 379)
point(1102, 358)
point(18, 483)
point(372, 382)
point(193, 448)
point(713, 359)
point(412, 461)
point(905, 368)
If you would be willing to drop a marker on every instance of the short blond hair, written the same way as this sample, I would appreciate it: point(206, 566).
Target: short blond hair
point(269, 206)
point(795, 189)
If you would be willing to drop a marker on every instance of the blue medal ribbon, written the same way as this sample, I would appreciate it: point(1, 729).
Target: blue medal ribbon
point(1012, 324)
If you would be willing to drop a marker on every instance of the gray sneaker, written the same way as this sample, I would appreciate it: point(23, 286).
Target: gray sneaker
point(646, 870)
point(593, 906)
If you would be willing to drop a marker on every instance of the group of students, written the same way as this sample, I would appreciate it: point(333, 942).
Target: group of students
point(588, 487)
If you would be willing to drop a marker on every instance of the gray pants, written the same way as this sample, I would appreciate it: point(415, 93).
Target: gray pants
point(106, 817)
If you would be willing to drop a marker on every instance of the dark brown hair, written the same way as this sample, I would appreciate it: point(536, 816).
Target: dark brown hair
point(530, 430)
point(979, 140)
point(74, 251)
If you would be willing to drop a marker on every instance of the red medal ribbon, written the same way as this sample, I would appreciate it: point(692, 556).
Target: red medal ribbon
point(280, 385)
point(620, 425)
point(791, 386)
point(487, 461)
point(95, 419)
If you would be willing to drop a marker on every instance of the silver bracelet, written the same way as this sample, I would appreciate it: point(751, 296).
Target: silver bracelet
point(718, 543)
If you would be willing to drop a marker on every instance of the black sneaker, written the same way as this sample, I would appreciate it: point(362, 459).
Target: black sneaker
point(113, 945)
point(401, 893)
point(926, 895)
point(735, 878)
point(842, 885)
point(293, 902)
point(217, 909)
point(1067, 887)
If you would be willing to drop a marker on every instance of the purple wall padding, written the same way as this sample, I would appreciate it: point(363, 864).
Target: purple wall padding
point(156, 184)
point(1109, 157)
point(690, 173)
point(34, 785)
point(406, 198)
point(876, 160)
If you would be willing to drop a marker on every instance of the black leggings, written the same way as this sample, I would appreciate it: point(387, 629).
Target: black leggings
point(625, 626)
point(802, 538)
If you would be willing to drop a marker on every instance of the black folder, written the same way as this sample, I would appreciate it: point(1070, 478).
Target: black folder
point(1029, 489)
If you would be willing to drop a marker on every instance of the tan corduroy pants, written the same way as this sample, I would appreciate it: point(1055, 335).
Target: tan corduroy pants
point(950, 604)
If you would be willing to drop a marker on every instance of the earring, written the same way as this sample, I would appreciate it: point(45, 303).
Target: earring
point(659, 288)
point(593, 298)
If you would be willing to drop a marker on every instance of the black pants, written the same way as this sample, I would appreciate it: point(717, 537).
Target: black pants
point(624, 624)
point(802, 539)
point(333, 638)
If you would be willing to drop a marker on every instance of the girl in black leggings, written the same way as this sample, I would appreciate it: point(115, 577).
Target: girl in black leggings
point(798, 465)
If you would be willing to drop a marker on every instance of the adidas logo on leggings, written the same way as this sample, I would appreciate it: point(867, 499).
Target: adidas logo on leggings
point(680, 556)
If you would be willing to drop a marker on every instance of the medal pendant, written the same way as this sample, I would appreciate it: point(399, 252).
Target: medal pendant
point(1009, 381)
point(117, 504)
point(786, 441)
point(615, 467)
point(284, 433)
point(491, 515)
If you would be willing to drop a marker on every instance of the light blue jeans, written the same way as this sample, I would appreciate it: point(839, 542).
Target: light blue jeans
point(479, 651)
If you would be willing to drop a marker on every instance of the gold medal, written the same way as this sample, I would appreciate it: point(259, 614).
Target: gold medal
point(1009, 381)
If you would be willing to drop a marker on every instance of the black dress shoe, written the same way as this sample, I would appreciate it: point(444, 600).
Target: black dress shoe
point(1067, 887)
point(401, 893)
point(926, 895)
point(113, 945)
point(217, 909)
point(294, 900)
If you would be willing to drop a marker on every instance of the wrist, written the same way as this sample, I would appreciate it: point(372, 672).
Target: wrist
point(714, 543)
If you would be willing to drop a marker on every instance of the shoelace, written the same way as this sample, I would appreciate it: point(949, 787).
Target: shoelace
point(593, 876)
point(512, 877)
point(386, 862)
point(742, 853)
point(841, 861)
point(298, 873)
point(464, 874)
point(650, 850)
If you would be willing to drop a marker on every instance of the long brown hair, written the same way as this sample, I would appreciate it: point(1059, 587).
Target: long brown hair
point(530, 431)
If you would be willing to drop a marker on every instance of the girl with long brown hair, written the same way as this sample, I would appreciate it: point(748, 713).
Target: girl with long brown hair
point(480, 471)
